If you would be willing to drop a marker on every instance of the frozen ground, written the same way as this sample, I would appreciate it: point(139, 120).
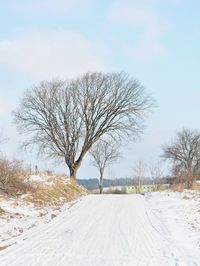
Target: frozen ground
point(114, 230)
point(180, 214)
point(18, 216)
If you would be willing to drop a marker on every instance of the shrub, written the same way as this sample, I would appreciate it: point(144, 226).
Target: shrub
point(12, 175)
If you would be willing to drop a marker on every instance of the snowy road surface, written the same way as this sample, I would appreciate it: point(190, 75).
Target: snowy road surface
point(108, 230)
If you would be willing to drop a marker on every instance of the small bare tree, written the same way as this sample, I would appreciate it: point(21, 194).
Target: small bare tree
point(65, 118)
point(104, 153)
point(184, 152)
point(156, 172)
point(139, 172)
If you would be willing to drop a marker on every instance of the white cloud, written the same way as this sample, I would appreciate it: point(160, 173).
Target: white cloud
point(146, 50)
point(145, 22)
point(42, 55)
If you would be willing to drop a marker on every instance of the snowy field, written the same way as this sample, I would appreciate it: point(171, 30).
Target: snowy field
point(105, 230)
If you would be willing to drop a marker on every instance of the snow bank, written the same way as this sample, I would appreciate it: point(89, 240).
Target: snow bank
point(180, 213)
point(41, 203)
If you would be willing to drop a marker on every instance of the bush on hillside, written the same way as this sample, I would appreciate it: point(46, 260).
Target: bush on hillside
point(12, 175)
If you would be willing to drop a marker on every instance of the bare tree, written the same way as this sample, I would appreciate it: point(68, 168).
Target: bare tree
point(139, 172)
point(65, 118)
point(104, 153)
point(156, 172)
point(184, 152)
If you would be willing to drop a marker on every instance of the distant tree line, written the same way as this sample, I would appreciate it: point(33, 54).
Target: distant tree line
point(93, 183)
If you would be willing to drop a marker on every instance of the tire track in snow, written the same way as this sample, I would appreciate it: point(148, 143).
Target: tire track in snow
point(106, 230)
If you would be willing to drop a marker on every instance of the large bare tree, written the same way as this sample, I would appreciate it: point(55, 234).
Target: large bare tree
point(184, 152)
point(65, 118)
point(104, 153)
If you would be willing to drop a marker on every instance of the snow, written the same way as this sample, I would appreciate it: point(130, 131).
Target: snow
point(20, 216)
point(159, 229)
point(46, 179)
point(180, 213)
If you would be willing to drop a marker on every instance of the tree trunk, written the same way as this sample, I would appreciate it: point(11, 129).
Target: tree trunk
point(73, 172)
point(190, 181)
point(73, 168)
point(101, 184)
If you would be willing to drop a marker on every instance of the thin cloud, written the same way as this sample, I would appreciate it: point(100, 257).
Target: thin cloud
point(146, 50)
point(146, 24)
point(43, 55)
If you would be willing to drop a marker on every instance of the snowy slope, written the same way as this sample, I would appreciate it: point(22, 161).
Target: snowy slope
point(180, 214)
point(46, 197)
point(107, 230)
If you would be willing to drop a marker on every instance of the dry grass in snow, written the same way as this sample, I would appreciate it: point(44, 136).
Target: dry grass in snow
point(43, 201)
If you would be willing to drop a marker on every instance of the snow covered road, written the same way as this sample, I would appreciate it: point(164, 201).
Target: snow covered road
point(107, 230)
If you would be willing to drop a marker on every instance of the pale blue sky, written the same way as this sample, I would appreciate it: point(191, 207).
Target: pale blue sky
point(156, 41)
